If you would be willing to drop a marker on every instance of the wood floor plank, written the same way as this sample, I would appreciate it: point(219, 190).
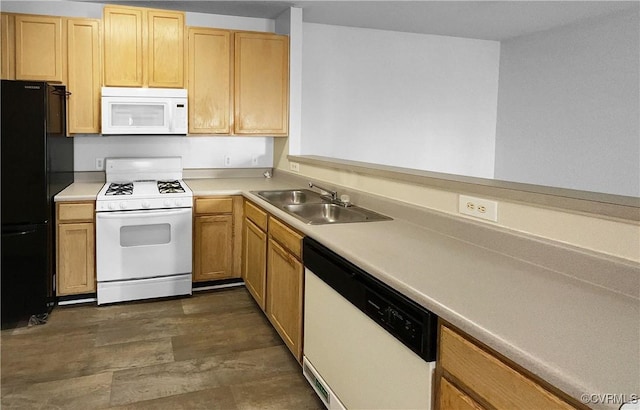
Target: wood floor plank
point(253, 334)
point(282, 392)
point(185, 376)
point(86, 392)
point(54, 363)
point(176, 353)
point(219, 398)
point(218, 301)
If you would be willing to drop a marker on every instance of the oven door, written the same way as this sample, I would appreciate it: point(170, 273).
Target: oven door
point(143, 244)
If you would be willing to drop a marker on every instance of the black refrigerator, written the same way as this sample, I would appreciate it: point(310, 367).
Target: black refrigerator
point(37, 163)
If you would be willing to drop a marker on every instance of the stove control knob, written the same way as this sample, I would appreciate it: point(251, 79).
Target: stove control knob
point(177, 202)
point(112, 205)
point(123, 205)
point(146, 204)
point(167, 203)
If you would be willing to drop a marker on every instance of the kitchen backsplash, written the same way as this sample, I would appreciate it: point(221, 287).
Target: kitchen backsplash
point(196, 152)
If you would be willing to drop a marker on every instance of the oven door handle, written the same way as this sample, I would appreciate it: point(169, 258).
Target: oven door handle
point(142, 214)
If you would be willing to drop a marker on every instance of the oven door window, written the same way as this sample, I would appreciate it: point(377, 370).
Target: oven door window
point(145, 235)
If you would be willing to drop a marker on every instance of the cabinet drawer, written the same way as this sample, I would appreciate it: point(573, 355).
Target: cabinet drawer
point(452, 398)
point(214, 205)
point(286, 236)
point(75, 211)
point(256, 215)
point(496, 382)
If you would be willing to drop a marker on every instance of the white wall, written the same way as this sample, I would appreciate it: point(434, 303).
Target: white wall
point(54, 8)
point(196, 152)
point(411, 100)
point(568, 107)
point(228, 22)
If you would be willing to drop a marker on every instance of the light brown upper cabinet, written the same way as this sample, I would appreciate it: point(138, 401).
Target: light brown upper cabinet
point(123, 46)
point(83, 61)
point(143, 47)
point(166, 48)
point(7, 47)
point(238, 82)
point(261, 84)
point(209, 81)
point(38, 48)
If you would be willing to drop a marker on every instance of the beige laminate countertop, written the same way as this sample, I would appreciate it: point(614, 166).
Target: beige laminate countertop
point(580, 337)
point(80, 191)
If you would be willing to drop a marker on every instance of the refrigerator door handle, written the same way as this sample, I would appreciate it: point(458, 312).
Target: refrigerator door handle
point(19, 230)
point(62, 93)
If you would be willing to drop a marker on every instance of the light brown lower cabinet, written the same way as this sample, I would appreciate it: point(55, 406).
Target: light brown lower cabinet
point(213, 235)
point(284, 295)
point(75, 248)
point(273, 272)
point(254, 266)
point(451, 397)
point(471, 376)
point(215, 254)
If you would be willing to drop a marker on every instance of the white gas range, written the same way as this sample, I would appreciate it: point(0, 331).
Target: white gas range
point(143, 230)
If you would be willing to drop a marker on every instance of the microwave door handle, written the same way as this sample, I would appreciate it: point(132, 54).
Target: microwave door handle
point(142, 214)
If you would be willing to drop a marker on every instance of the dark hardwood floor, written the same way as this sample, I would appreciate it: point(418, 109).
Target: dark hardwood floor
point(214, 350)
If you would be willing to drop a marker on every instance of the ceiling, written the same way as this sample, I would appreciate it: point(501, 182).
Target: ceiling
point(490, 20)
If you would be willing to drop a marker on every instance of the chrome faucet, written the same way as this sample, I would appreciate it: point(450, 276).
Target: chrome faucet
point(328, 192)
point(332, 195)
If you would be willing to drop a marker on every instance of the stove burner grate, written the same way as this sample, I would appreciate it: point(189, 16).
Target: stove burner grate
point(170, 187)
point(120, 189)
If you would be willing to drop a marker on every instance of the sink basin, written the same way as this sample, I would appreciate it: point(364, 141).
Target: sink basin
point(314, 209)
point(327, 213)
point(290, 197)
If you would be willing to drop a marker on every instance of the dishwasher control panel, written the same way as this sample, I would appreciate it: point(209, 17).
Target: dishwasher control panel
point(405, 327)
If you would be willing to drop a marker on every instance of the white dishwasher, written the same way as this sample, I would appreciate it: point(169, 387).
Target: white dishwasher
point(366, 346)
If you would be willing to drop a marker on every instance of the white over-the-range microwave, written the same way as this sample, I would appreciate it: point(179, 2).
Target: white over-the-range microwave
point(144, 111)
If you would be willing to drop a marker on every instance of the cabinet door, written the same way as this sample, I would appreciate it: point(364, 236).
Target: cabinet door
point(209, 81)
point(7, 47)
point(284, 296)
point(213, 251)
point(83, 56)
point(166, 48)
point(254, 261)
point(261, 84)
point(450, 398)
point(496, 382)
point(39, 54)
point(123, 46)
point(76, 259)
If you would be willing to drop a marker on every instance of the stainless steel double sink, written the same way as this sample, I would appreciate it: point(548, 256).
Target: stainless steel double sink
point(315, 209)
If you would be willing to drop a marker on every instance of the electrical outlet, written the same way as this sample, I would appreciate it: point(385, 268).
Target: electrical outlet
point(294, 166)
point(478, 207)
point(99, 164)
point(227, 161)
